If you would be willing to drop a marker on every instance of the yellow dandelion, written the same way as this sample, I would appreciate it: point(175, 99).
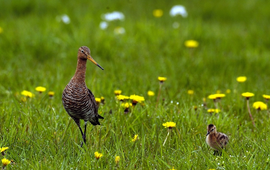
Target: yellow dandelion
point(136, 137)
point(122, 97)
point(117, 159)
point(150, 93)
point(40, 89)
point(220, 95)
point(267, 97)
point(3, 149)
point(228, 91)
point(241, 79)
point(136, 99)
point(169, 125)
point(98, 155)
point(191, 92)
point(212, 96)
point(162, 79)
point(247, 95)
point(157, 13)
point(259, 105)
point(126, 105)
point(51, 93)
point(5, 162)
point(191, 44)
point(117, 92)
point(98, 100)
point(172, 168)
point(27, 93)
point(213, 110)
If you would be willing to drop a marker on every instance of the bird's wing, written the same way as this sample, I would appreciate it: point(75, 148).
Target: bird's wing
point(93, 100)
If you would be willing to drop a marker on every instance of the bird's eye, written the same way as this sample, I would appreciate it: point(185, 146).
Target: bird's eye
point(212, 130)
point(82, 51)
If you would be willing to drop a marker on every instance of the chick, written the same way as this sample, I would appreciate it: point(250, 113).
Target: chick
point(216, 140)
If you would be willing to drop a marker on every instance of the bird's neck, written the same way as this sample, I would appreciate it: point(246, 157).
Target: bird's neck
point(80, 70)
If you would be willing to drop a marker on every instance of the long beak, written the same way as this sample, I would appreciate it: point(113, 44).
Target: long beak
point(93, 61)
point(207, 133)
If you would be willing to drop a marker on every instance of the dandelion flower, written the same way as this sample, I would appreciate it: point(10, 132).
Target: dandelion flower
point(191, 92)
point(150, 93)
point(136, 99)
point(220, 95)
point(117, 92)
point(267, 97)
point(136, 137)
point(5, 162)
point(126, 105)
point(241, 79)
point(3, 149)
point(247, 95)
point(259, 105)
point(102, 99)
point(162, 79)
point(228, 91)
point(122, 97)
point(117, 159)
point(169, 125)
point(157, 13)
point(27, 94)
point(213, 110)
point(98, 100)
point(173, 169)
point(40, 89)
point(191, 44)
point(51, 93)
point(98, 155)
point(212, 96)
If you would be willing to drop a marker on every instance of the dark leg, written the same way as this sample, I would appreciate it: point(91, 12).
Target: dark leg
point(218, 153)
point(84, 135)
point(78, 123)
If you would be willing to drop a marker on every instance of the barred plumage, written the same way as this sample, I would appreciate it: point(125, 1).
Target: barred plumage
point(78, 100)
point(216, 140)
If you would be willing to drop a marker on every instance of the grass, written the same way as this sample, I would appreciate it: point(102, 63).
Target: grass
point(36, 49)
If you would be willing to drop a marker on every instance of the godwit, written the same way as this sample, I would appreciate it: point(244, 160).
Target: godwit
point(216, 140)
point(78, 100)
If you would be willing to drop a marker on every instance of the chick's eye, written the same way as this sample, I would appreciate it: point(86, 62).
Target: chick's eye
point(82, 51)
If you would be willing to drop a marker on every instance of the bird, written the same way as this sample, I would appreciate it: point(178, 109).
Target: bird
point(216, 140)
point(78, 101)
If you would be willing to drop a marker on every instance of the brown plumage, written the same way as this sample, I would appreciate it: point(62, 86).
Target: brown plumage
point(78, 100)
point(216, 140)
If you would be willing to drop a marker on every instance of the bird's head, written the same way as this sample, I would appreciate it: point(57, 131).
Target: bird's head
point(211, 129)
point(84, 54)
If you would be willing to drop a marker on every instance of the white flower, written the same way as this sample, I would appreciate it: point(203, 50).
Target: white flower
point(103, 25)
point(113, 16)
point(65, 19)
point(178, 10)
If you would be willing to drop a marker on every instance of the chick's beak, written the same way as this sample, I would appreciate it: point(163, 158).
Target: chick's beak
point(93, 61)
point(207, 133)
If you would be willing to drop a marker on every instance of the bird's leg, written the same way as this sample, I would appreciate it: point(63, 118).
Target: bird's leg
point(84, 135)
point(78, 123)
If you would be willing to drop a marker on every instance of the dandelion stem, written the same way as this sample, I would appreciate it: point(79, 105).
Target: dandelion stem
point(166, 137)
point(250, 115)
point(160, 84)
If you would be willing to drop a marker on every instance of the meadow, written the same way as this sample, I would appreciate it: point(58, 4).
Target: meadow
point(39, 48)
